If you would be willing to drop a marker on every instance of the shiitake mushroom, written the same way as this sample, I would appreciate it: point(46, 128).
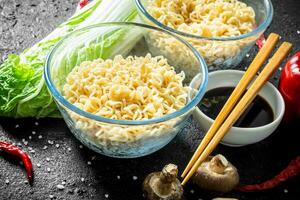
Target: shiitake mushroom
point(163, 185)
point(216, 174)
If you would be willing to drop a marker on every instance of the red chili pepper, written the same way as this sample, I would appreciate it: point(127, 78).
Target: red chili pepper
point(16, 151)
point(83, 3)
point(293, 169)
point(289, 87)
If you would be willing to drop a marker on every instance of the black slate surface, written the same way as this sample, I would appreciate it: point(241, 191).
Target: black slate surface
point(91, 176)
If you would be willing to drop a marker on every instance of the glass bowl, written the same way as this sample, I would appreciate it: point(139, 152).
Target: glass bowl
point(109, 136)
point(220, 52)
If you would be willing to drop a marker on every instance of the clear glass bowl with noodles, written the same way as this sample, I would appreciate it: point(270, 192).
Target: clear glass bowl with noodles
point(115, 137)
point(228, 48)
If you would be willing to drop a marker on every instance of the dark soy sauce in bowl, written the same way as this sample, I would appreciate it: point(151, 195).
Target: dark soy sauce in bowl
point(259, 113)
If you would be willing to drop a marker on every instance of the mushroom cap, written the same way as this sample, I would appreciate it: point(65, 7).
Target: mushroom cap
point(222, 180)
point(159, 186)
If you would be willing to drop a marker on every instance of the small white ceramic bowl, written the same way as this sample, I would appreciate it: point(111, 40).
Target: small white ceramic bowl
point(243, 136)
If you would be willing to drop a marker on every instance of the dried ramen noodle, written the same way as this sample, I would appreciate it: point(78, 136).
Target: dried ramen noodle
point(207, 18)
point(132, 88)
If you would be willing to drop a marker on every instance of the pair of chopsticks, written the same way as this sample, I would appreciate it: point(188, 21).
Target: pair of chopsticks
point(237, 104)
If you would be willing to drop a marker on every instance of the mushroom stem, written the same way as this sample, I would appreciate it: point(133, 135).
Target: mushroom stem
point(163, 185)
point(167, 177)
point(218, 164)
point(169, 173)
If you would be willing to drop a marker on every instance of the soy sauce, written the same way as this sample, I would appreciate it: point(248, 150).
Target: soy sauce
point(259, 113)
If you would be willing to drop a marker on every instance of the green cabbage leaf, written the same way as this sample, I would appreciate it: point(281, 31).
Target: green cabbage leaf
point(23, 92)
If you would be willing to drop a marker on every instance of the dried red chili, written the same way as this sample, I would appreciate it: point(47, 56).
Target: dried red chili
point(261, 41)
point(293, 169)
point(83, 3)
point(16, 151)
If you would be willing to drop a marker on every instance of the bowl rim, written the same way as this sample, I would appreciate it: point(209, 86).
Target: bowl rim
point(190, 105)
point(277, 118)
point(259, 30)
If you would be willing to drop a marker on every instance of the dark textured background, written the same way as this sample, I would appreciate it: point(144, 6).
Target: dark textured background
point(91, 176)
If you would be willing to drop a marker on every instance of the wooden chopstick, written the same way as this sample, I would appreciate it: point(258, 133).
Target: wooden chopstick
point(258, 61)
point(249, 96)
